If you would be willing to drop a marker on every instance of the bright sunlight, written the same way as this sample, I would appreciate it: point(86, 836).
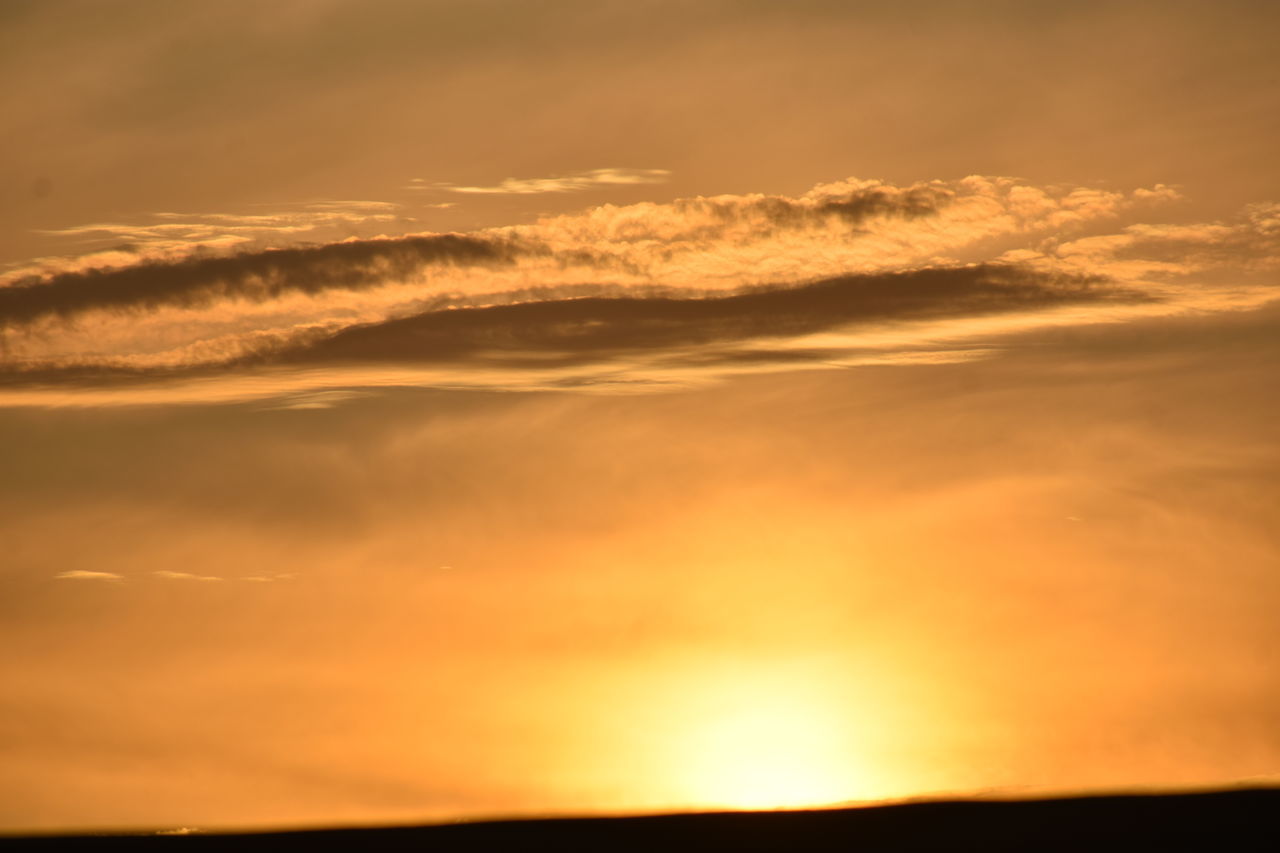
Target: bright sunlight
point(774, 742)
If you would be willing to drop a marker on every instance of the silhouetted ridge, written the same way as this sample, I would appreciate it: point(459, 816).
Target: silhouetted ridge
point(1218, 821)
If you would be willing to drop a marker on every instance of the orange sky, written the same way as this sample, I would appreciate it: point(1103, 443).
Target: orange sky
point(432, 410)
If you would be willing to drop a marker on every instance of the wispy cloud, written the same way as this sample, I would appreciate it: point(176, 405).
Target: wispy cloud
point(576, 182)
point(85, 575)
point(1244, 250)
point(184, 576)
point(306, 216)
point(319, 400)
point(169, 235)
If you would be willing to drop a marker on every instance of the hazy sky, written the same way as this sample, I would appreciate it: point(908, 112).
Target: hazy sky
point(442, 409)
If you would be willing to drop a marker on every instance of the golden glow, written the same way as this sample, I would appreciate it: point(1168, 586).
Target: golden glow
point(767, 757)
point(769, 742)
point(564, 417)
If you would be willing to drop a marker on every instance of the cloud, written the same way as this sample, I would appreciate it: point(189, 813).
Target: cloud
point(168, 235)
point(833, 229)
point(576, 182)
point(82, 574)
point(636, 344)
point(717, 239)
point(719, 242)
point(199, 281)
point(320, 399)
point(585, 329)
point(1242, 251)
point(184, 576)
point(853, 271)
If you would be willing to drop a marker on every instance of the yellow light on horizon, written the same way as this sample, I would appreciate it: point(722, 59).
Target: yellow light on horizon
point(771, 742)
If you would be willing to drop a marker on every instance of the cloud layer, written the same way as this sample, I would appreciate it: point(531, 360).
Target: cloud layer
point(639, 290)
point(590, 328)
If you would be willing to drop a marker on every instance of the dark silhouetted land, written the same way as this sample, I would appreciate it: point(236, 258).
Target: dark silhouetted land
point(1224, 820)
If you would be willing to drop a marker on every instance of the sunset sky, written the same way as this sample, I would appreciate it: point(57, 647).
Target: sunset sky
point(414, 411)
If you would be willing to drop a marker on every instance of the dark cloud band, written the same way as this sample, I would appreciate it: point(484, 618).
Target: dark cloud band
point(588, 328)
point(199, 281)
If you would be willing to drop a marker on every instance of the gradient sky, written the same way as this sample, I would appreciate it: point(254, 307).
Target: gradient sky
point(419, 411)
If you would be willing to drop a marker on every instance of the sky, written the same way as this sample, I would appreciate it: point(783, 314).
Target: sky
point(442, 410)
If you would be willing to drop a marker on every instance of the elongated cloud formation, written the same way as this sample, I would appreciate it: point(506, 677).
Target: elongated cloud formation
point(862, 225)
point(169, 236)
point(86, 575)
point(592, 179)
point(892, 272)
point(170, 227)
point(587, 328)
point(183, 576)
point(201, 281)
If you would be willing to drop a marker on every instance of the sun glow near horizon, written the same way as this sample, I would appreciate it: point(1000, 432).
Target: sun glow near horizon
point(436, 410)
point(770, 741)
point(770, 757)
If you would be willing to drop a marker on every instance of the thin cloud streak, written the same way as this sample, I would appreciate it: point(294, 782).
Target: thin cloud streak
point(184, 576)
point(576, 182)
point(171, 236)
